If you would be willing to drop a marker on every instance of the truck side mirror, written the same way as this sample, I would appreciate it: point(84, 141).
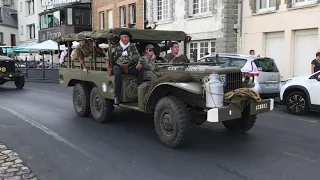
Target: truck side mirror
point(318, 77)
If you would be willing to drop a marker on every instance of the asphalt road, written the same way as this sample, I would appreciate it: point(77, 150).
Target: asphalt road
point(40, 124)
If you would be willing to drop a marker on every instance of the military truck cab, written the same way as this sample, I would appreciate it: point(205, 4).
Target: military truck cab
point(178, 95)
point(9, 72)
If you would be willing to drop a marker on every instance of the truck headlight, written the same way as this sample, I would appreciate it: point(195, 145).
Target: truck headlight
point(248, 78)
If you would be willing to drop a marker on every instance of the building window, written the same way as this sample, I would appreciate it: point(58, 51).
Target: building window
point(123, 17)
point(69, 16)
point(266, 4)
point(102, 20)
point(29, 7)
point(56, 19)
point(132, 13)
point(7, 2)
point(110, 19)
point(163, 10)
point(21, 7)
point(1, 38)
point(0, 14)
point(21, 30)
point(304, 2)
point(200, 48)
point(82, 17)
point(200, 6)
point(31, 34)
point(193, 51)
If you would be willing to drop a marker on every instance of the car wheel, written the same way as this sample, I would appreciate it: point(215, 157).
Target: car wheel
point(297, 103)
point(81, 99)
point(241, 125)
point(172, 121)
point(101, 108)
point(19, 82)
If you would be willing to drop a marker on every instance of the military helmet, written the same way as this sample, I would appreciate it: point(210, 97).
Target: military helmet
point(80, 37)
point(149, 46)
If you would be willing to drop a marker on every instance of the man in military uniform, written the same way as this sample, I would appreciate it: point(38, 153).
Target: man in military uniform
point(148, 60)
point(174, 56)
point(84, 49)
point(125, 59)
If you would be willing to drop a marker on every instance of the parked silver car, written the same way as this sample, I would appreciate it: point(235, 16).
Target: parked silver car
point(263, 69)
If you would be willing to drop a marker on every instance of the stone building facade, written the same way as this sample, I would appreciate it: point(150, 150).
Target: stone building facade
point(117, 13)
point(210, 23)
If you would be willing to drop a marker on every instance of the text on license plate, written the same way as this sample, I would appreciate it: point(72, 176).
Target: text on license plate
point(261, 106)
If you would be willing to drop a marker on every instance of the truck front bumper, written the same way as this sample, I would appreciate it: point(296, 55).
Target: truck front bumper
point(10, 76)
point(233, 111)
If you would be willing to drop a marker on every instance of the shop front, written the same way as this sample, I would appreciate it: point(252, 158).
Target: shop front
point(61, 20)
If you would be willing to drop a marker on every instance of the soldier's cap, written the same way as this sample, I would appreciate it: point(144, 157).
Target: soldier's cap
point(124, 32)
point(80, 37)
point(149, 46)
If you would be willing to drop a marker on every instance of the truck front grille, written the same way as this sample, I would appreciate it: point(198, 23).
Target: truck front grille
point(233, 81)
point(8, 65)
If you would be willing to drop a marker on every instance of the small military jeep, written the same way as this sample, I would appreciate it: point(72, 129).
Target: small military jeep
point(9, 72)
point(177, 104)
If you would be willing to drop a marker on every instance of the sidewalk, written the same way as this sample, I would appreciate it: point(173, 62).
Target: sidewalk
point(12, 167)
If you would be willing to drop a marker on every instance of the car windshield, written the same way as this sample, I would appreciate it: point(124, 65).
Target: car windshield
point(266, 65)
point(226, 61)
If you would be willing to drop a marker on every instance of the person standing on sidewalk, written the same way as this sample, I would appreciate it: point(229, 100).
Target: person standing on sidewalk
point(315, 64)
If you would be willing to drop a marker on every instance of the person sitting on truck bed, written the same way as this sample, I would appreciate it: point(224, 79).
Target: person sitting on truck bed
point(125, 59)
point(174, 56)
point(84, 49)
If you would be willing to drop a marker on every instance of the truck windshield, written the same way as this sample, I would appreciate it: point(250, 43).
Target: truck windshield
point(266, 65)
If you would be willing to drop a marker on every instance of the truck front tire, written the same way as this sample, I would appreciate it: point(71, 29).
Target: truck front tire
point(81, 99)
point(242, 125)
point(19, 82)
point(101, 108)
point(172, 121)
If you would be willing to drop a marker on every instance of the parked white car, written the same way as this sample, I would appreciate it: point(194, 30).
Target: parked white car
point(301, 94)
point(263, 69)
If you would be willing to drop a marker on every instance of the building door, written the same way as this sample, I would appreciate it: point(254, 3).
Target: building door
point(13, 40)
point(275, 50)
point(305, 49)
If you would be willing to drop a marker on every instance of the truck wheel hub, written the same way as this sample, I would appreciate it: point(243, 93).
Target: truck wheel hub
point(167, 124)
point(97, 104)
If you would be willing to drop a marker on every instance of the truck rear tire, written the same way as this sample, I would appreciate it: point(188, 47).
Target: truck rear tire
point(81, 99)
point(172, 121)
point(242, 125)
point(101, 108)
point(19, 82)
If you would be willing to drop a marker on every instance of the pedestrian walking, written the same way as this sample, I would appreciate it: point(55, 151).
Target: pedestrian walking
point(315, 64)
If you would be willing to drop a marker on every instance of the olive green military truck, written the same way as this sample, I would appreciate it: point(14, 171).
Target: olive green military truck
point(9, 72)
point(179, 95)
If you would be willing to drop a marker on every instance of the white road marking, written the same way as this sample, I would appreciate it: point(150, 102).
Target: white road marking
point(49, 132)
point(301, 157)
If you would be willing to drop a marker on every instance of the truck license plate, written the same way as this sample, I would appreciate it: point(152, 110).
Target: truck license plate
point(261, 106)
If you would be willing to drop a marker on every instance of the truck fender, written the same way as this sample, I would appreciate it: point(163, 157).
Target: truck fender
point(191, 87)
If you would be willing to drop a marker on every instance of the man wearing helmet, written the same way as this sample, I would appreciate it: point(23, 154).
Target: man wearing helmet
point(84, 49)
point(125, 59)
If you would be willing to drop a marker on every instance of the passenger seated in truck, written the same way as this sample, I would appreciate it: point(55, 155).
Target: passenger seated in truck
point(174, 56)
point(126, 59)
point(84, 49)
